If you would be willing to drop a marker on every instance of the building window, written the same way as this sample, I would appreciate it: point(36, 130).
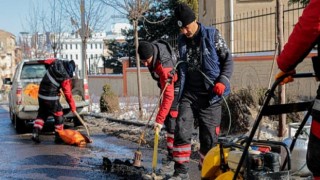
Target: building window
point(76, 56)
point(66, 56)
point(96, 45)
point(70, 56)
point(66, 46)
point(70, 46)
point(76, 46)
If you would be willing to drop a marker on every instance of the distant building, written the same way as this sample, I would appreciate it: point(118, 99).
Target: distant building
point(10, 55)
point(71, 48)
point(116, 34)
point(68, 46)
point(96, 47)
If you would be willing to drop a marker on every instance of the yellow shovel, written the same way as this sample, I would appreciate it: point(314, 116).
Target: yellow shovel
point(155, 150)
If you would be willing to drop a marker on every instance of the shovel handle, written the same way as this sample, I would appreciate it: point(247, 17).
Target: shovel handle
point(82, 122)
point(78, 116)
point(155, 150)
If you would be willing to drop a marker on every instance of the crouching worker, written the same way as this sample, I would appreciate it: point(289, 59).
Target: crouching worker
point(58, 75)
point(160, 59)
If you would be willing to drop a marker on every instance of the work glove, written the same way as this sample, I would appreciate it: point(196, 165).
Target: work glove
point(219, 88)
point(157, 125)
point(287, 79)
point(74, 111)
point(173, 113)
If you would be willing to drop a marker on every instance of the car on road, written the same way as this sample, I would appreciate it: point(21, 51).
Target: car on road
point(23, 95)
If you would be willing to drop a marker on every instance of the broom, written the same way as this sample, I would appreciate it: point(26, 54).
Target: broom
point(138, 154)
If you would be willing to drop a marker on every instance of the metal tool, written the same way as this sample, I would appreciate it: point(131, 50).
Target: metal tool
point(138, 154)
point(84, 124)
point(80, 119)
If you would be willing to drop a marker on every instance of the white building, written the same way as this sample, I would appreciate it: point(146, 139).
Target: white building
point(71, 47)
point(39, 46)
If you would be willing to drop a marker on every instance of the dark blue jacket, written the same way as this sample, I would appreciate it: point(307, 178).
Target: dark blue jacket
point(216, 61)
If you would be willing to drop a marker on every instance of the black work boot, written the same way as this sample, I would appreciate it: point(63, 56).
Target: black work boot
point(35, 135)
point(180, 176)
point(167, 166)
point(57, 138)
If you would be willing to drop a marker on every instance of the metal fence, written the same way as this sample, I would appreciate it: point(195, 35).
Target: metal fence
point(255, 31)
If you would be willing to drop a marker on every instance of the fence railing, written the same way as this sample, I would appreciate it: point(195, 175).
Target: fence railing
point(255, 31)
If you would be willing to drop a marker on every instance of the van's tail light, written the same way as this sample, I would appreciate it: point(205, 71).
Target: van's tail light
point(86, 90)
point(19, 96)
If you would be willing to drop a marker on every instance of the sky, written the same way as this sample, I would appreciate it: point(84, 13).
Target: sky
point(14, 13)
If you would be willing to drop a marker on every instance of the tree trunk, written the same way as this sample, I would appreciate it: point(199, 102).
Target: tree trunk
point(282, 88)
point(84, 40)
point(135, 26)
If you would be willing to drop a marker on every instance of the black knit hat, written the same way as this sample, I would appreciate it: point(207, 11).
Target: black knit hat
point(184, 14)
point(145, 50)
point(70, 67)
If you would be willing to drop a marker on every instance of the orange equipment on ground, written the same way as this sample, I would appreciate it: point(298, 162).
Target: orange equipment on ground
point(73, 137)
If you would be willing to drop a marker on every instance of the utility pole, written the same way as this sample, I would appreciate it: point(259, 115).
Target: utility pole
point(83, 40)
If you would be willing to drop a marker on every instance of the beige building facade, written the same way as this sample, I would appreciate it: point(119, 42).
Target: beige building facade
point(9, 55)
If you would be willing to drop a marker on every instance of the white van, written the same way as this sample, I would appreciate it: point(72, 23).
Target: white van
point(23, 104)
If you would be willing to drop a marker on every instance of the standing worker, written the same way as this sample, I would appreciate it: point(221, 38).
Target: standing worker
point(305, 35)
point(205, 78)
point(59, 74)
point(160, 59)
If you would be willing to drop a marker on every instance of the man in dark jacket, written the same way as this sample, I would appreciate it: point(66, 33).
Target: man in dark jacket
point(305, 35)
point(58, 76)
point(205, 77)
point(160, 59)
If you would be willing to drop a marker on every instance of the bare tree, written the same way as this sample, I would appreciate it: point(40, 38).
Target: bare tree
point(86, 17)
point(52, 24)
point(134, 10)
point(33, 24)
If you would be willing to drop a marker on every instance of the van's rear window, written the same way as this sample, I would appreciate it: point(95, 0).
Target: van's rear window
point(31, 71)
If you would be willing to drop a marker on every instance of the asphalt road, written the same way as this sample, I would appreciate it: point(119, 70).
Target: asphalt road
point(22, 159)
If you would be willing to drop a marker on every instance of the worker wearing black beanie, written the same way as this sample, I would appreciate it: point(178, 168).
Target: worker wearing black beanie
point(145, 50)
point(204, 79)
point(161, 60)
point(184, 15)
